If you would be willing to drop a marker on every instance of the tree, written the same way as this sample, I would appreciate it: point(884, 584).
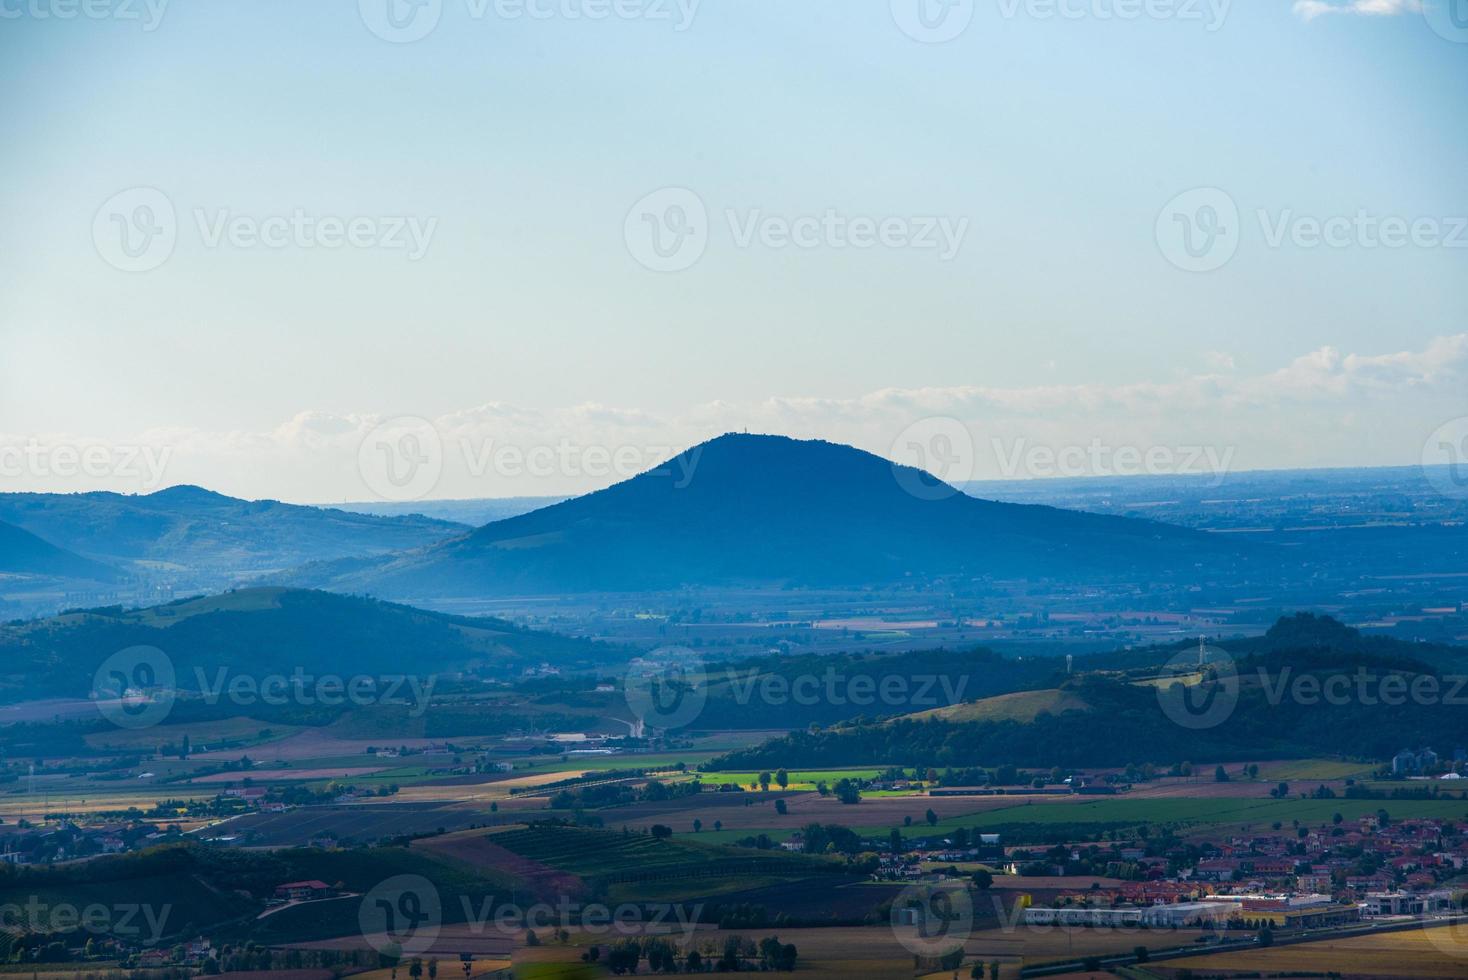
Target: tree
point(718, 825)
point(932, 818)
point(983, 880)
point(1266, 937)
point(697, 825)
point(694, 964)
point(1220, 775)
point(764, 782)
point(894, 841)
point(780, 807)
point(782, 779)
point(661, 832)
point(415, 969)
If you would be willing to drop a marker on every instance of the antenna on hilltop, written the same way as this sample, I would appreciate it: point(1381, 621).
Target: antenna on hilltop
point(1069, 662)
point(1202, 651)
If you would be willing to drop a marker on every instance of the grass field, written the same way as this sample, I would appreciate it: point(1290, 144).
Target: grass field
point(1438, 952)
point(801, 779)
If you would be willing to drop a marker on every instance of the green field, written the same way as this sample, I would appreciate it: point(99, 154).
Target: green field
point(1306, 769)
point(800, 779)
point(613, 857)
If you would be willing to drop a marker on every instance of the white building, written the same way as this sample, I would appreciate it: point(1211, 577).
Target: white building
point(1155, 916)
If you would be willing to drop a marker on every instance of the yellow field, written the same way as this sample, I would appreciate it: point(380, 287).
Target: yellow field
point(1437, 952)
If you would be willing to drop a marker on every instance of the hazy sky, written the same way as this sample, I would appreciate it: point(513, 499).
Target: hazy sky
point(245, 234)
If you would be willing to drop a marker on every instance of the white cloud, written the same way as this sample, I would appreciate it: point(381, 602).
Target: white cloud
point(1325, 408)
point(1311, 9)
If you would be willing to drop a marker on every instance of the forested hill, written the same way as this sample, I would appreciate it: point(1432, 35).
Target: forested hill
point(274, 631)
point(1099, 720)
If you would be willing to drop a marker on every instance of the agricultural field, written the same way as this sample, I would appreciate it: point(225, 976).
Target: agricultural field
point(1440, 951)
point(613, 856)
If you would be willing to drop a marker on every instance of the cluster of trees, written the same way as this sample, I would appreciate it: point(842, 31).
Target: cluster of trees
point(734, 954)
point(622, 794)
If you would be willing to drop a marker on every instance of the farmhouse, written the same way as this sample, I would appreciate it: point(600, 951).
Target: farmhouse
point(303, 891)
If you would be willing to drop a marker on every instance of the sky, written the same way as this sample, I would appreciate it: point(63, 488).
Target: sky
point(359, 249)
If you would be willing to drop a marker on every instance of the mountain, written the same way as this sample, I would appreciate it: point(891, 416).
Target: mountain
point(23, 553)
point(770, 511)
point(202, 538)
point(272, 631)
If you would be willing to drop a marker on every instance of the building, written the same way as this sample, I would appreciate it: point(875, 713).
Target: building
point(1174, 916)
point(303, 891)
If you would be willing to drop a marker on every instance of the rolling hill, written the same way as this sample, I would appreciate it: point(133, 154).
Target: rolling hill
point(272, 631)
point(25, 554)
point(197, 536)
point(770, 511)
point(1108, 717)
